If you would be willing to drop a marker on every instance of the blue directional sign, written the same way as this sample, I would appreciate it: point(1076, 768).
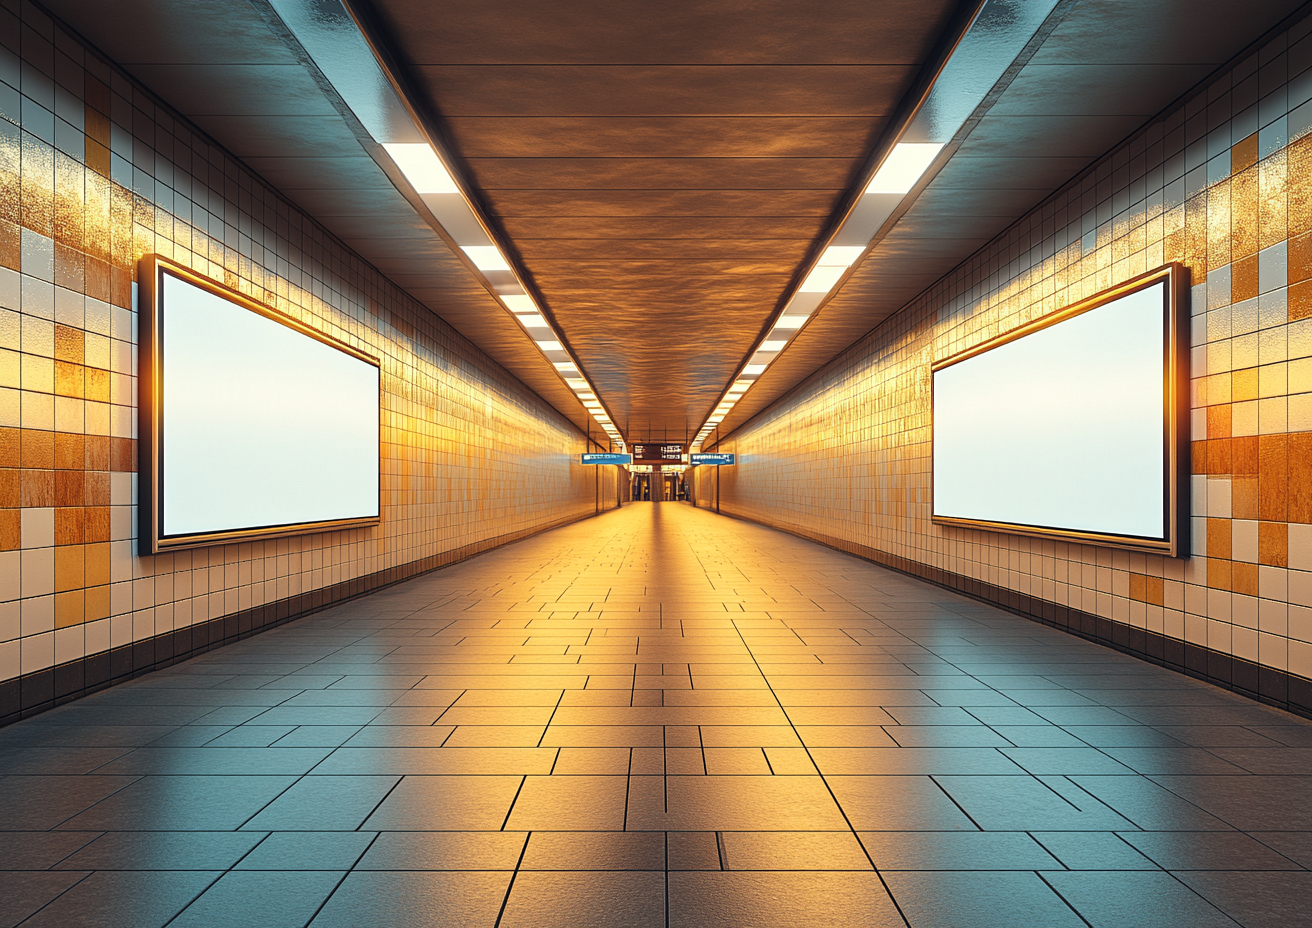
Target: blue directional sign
point(716, 460)
point(607, 459)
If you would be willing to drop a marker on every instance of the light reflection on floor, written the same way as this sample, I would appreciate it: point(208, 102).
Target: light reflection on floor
point(659, 716)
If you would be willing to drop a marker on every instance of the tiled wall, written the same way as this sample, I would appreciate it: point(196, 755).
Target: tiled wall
point(94, 174)
point(1223, 183)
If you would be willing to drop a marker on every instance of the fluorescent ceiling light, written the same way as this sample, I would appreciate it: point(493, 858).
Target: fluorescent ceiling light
point(754, 369)
point(519, 303)
point(903, 167)
point(486, 257)
point(777, 345)
point(533, 321)
point(791, 322)
point(421, 166)
point(840, 255)
point(550, 346)
point(566, 367)
point(822, 278)
point(578, 383)
point(716, 419)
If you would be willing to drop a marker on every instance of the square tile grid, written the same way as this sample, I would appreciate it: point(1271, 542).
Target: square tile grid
point(660, 716)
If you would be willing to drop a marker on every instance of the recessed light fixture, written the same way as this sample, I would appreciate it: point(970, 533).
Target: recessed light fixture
point(550, 345)
point(486, 257)
point(790, 322)
point(519, 303)
point(777, 345)
point(421, 167)
point(533, 321)
point(905, 165)
point(822, 278)
point(840, 255)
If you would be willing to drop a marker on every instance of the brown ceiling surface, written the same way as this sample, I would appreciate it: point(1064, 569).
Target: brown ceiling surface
point(662, 169)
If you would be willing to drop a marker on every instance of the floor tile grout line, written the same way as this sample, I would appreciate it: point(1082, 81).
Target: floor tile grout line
point(510, 811)
point(952, 799)
point(841, 811)
point(1064, 900)
point(505, 900)
point(379, 803)
point(178, 914)
point(49, 902)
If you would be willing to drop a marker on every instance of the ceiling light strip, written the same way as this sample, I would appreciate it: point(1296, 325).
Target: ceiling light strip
point(334, 40)
point(995, 37)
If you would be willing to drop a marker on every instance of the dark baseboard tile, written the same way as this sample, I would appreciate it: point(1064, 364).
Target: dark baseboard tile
point(36, 692)
point(1268, 685)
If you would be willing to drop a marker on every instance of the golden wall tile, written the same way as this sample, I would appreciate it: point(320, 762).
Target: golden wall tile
point(1244, 498)
point(97, 524)
point(97, 603)
point(1273, 544)
point(1243, 279)
point(11, 245)
point(11, 529)
point(11, 495)
point(1218, 225)
point(1243, 155)
point(1218, 574)
point(1273, 202)
point(1219, 456)
point(38, 186)
point(69, 488)
point(1218, 538)
point(70, 568)
point(70, 608)
point(1300, 186)
point(1300, 477)
point(1243, 214)
point(1273, 478)
point(1243, 578)
point(38, 448)
point(1244, 455)
point(1300, 300)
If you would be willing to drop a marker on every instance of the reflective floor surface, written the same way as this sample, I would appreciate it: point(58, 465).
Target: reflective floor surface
point(659, 717)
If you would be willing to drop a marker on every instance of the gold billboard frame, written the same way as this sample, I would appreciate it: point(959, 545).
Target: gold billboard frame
point(150, 481)
point(1175, 415)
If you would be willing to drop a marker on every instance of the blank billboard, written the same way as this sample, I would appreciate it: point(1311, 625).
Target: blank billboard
point(1069, 426)
point(256, 426)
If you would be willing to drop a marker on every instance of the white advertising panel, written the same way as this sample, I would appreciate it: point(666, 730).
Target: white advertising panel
point(1068, 428)
point(260, 427)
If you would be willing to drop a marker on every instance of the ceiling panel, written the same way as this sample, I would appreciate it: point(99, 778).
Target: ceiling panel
point(663, 171)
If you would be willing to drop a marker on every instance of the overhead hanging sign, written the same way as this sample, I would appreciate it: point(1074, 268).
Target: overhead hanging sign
point(715, 460)
point(651, 453)
point(607, 459)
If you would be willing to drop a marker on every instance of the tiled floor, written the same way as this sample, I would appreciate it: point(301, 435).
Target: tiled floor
point(659, 717)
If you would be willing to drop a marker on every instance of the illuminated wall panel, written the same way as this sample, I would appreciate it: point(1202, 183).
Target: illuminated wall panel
point(1067, 427)
point(253, 426)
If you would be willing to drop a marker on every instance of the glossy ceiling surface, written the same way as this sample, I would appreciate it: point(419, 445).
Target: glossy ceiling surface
point(662, 169)
point(662, 175)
